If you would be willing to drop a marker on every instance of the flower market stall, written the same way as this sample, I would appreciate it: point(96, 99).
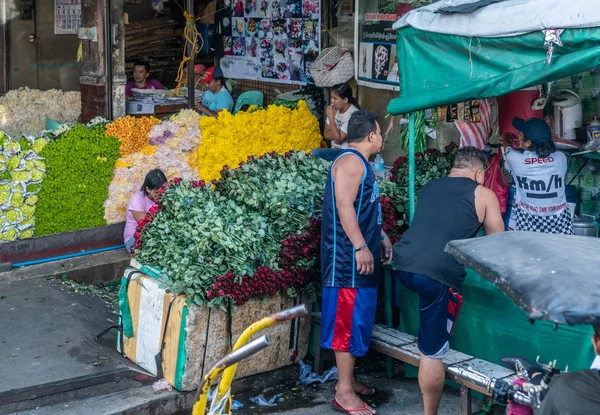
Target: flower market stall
point(81, 176)
point(237, 223)
point(471, 53)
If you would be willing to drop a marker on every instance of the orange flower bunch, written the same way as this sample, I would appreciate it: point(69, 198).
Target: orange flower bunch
point(132, 132)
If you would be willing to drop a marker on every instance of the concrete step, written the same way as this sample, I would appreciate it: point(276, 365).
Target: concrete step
point(48, 348)
point(62, 393)
point(140, 401)
point(91, 269)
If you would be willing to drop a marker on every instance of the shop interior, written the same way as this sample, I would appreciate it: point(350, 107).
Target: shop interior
point(153, 32)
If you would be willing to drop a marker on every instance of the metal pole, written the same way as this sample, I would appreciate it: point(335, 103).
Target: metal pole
point(5, 51)
point(389, 314)
point(411, 166)
point(107, 39)
point(189, 5)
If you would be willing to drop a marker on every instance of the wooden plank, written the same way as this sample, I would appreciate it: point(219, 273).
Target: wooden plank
point(93, 268)
point(396, 341)
point(488, 369)
point(165, 109)
point(396, 337)
point(171, 351)
point(134, 294)
point(465, 401)
point(396, 352)
point(161, 21)
point(455, 357)
point(62, 243)
point(151, 39)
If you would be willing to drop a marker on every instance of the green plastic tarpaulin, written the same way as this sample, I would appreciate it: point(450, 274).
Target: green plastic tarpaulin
point(440, 69)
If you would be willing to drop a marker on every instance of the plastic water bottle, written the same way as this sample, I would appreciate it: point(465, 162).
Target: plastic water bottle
point(378, 166)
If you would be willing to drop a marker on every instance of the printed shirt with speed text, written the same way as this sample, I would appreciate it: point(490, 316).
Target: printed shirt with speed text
point(540, 182)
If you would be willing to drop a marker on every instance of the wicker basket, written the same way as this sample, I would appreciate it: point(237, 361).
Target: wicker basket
point(333, 66)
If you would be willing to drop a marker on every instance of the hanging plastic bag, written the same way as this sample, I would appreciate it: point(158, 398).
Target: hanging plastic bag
point(496, 181)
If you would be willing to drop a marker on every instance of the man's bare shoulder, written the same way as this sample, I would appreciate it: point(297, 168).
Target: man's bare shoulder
point(484, 194)
point(349, 164)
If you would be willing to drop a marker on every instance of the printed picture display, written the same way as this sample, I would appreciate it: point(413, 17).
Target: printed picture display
point(271, 40)
point(377, 60)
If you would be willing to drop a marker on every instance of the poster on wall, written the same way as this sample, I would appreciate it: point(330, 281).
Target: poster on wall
point(67, 17)
point(377, 61)
point(271, 40)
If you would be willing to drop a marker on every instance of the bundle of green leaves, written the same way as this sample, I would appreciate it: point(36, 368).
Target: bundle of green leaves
point(236, 226)
point(79, 169)
point(287, 189)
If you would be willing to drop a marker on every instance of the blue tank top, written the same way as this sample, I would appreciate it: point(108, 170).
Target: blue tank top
point(338, 263)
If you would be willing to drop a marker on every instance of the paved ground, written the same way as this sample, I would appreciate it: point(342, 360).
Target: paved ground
point(48, 334)
point(397, 396)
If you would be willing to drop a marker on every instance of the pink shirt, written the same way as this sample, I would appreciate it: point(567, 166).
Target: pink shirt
point(139, 202)
point(150, 84)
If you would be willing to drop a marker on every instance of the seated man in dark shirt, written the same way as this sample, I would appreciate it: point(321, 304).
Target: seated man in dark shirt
point(575, 393)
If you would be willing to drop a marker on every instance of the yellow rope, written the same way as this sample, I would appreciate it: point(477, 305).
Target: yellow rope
point(190, 34)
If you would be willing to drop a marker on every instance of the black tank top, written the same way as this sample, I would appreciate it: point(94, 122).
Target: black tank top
point(445, 212)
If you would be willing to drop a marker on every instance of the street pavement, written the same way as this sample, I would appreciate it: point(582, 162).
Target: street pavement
point(398, 396)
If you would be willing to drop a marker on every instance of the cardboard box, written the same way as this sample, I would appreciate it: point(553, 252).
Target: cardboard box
point(195, 338)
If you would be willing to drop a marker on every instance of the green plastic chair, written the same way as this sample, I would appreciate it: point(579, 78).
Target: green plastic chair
point(51, 124)
point(249, 98)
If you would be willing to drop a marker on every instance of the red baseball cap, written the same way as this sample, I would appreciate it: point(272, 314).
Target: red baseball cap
point(211, 73)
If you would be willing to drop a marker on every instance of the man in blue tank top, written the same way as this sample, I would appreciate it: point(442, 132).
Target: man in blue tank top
point(448, 209)
point(352, 248)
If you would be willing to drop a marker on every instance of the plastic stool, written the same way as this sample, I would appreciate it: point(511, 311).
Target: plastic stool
point(249, 98)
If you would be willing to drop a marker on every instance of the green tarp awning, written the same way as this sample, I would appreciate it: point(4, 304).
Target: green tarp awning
point(439, 69)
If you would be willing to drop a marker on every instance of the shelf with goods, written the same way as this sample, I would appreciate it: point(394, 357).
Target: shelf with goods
point(584, 176)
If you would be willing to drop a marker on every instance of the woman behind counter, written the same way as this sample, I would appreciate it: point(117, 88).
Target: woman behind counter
point(337, 115)
point(141, 202)
point(539, 172)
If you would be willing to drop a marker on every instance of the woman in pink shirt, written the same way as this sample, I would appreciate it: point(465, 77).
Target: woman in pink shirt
point(141, 202)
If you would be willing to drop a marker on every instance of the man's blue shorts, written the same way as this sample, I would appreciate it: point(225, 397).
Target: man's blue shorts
point(347, 319)
point(439, 306)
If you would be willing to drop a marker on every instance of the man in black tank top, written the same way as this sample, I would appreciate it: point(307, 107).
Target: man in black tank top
point(448, 209)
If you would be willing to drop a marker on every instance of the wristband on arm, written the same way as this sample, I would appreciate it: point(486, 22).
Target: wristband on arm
point(361, 248)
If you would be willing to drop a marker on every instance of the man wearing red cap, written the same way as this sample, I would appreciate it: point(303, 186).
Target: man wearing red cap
point(216, 97)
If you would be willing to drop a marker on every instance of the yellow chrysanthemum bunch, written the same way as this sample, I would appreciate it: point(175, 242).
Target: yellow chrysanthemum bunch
point(133, 133)
point(231, 139)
